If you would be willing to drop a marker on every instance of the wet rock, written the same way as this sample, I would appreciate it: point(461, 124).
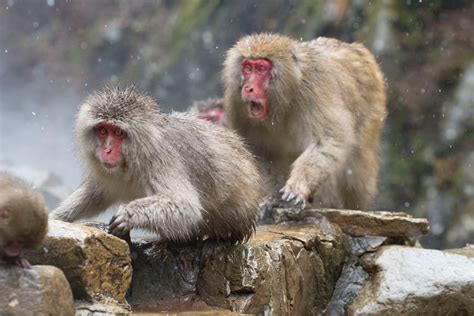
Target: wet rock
point(42, 290)
point(281, 270)
point(414, 281)
point(164, 273)
point(353, 275)
point(96, 264)
point(360, 223)
point(84, 308)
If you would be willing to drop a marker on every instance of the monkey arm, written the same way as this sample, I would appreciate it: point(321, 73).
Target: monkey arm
point(313, 167)
point(86, 201)
point(173, 219)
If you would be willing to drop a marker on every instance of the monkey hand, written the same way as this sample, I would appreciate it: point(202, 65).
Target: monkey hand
point(296, 194)
point(120, 223)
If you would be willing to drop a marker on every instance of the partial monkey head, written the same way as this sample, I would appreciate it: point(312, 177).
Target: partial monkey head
point(23, 216)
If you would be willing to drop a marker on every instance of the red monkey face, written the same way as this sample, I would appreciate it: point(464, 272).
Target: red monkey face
point(110, 138)
point(256, 74)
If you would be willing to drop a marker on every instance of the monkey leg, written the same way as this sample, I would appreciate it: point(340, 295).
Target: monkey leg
point(175, 220)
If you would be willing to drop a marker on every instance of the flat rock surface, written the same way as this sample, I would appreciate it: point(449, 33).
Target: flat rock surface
point(360, 223)
point(414, 281)
point(42, 290)
point(467, 251)
point(282, 270)
point(96, 264)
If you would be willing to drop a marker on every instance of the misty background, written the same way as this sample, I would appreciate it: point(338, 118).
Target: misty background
point(53, 53)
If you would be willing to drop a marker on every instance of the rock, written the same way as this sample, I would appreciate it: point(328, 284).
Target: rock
point(42, 290)
point(414, 281)
point(96, 264)
point(281, 270)
point(467, 251)
point(360, 223)
point(353, 275)
point(163, 275)
point(84, 308)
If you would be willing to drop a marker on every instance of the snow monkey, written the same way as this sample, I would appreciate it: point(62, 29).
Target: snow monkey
point(312, 113)
point(23, 220)
point(179, 176)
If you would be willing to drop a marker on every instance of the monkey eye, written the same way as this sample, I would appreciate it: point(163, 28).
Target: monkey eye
point(101, 130)
point(262, 69)
point(247, 68)
point(119, 132)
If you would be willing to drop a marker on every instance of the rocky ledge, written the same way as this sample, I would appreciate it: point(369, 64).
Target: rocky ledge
point(316, 262)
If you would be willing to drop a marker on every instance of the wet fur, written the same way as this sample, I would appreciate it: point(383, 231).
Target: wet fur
point(327, 110)
point(183, 178)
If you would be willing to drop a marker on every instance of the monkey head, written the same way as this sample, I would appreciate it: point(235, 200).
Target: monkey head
point(104, 128)
point(261, 72)
point(23, 218)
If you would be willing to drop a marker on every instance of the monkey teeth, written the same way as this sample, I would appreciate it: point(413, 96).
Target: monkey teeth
point(109, 166)
point(257, 110)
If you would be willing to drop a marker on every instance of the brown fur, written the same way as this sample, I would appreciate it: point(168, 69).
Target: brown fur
point(183, 178)
point(327, 110)
point(23, 214)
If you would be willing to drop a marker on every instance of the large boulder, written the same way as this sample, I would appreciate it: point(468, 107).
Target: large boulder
point(42, 290)
point(96, 264)
point(414, 281)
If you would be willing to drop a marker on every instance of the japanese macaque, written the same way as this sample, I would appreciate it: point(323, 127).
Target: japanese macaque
point(179, 176)
point(312, 113)
point(23, 220)
point(211, 109)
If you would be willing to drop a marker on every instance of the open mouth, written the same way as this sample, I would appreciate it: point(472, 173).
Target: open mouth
point(13, 249)
point(110, 166)
point(258, 111)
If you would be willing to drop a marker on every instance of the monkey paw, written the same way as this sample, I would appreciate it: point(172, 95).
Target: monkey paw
point(120, 223)
point(290, 196)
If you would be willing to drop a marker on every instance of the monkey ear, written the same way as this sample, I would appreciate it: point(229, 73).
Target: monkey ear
point(297, 60)
point(293, 56)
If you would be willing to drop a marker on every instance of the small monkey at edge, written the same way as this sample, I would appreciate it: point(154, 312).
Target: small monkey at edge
point(23, 220)
point(312, 112)
point(182, 177)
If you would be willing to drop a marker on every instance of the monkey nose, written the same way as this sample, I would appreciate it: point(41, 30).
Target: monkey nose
point(248, 89)
point(108, 150)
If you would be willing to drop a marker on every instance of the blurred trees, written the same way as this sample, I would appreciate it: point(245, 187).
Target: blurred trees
point(175, 49)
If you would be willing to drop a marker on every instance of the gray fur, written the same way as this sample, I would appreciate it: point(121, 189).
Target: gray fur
point(182, 177)
point(327, 110)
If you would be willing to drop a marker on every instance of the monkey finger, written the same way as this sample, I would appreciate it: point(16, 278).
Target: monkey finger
point(120, 230)
point(22, 263)
point(114, 223)
point(290, 197)
point(300, 202)
point(112, 220)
